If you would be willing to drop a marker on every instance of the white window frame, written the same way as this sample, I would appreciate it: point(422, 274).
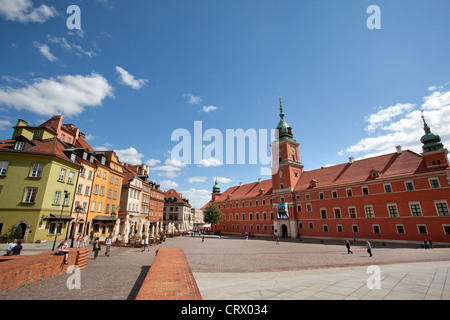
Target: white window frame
point(438, 183)
point(36, 171)
point(62, 175)
point(436, 202)
point(410, 208)
point(30, 195)
point(4, 167)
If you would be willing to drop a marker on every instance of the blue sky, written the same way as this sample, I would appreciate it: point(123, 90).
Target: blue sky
point(138, 70)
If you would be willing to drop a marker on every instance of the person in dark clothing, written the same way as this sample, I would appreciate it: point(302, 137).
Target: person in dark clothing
point(348, 247)
point(16, 250)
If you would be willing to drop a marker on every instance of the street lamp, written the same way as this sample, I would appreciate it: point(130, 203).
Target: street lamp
point(78, 210)
point(66, 196)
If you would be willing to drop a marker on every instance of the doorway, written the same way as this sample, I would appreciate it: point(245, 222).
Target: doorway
point(284, 231)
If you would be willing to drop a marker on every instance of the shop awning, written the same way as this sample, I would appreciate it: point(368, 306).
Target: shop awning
point(104, 218)
point(56, 217)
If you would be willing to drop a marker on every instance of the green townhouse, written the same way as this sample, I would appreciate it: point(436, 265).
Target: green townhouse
point(38, 179)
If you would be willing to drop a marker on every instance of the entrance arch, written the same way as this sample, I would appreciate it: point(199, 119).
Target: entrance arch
point(24, 227)
point(284, 231)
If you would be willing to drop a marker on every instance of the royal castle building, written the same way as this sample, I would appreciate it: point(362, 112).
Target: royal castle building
point(401, 197)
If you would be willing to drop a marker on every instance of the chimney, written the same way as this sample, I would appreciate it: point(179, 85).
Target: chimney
point(399, 149)
point(259, 180)
point(350, 160)
point(240, 183)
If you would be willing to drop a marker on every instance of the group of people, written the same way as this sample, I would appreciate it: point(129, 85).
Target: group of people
point(144, 244)
point(13, 248)
point(428, 244)
point(63, 248)
point(368, 247)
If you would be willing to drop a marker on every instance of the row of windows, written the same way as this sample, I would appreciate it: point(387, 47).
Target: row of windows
point(441, 207)
point(409, 186)
point(251, 227)
point(400, 228)
point(250, 203)
point(251, 216)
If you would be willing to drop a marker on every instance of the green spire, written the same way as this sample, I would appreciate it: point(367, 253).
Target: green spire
point(284, 130)
point(431, 141)
point(216, 188)
point(281, 109)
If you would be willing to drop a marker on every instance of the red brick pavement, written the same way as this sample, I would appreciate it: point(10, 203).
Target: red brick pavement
point(169, 278)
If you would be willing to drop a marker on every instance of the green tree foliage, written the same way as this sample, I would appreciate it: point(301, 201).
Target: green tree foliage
point(212, 214)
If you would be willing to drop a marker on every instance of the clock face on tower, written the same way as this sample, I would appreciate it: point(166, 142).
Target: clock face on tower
point(292, 150)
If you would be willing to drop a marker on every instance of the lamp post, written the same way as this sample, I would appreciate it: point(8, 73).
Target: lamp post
point(66, 195)
point(78, 209)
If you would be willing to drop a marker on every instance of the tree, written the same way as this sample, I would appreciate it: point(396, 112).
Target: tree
point(212, 214)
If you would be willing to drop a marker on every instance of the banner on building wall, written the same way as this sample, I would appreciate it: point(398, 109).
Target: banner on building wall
point(282, 210)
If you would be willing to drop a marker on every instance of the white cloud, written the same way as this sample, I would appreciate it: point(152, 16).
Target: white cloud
point(436, 100)
point(192, 99)
point(197, 179)
point(45, 51)
point(130, 155)
point(387, 114)
point(170, 169)
point(68, 94)
point(128, 79)
point(152, 162)
point(168, 184)
point(105, 147)
point(407, 130)
point(71, 47)
point(197, 197)
point(5, 124)
point(24, 12)
point(208, 109)
point(210, 162)
point(89, 137)
point(222, 180)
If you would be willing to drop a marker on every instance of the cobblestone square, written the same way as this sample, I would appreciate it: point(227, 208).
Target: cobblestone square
point(232, 268)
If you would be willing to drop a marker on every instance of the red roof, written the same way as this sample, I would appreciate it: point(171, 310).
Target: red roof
point(388, 166)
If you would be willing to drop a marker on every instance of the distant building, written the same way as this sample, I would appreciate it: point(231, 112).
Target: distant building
point(401, 196)
point(198, 219)
point(177, 212)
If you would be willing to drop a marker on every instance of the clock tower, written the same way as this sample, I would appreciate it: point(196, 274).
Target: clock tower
point(287, 168)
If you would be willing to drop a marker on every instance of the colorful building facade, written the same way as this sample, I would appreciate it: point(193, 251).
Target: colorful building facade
point(403, 196)
point(38, 177)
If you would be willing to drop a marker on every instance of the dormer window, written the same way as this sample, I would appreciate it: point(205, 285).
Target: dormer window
point(73, 156)
point(103, 160)
point(374, 173)
point(19, 145)
point(313, 183)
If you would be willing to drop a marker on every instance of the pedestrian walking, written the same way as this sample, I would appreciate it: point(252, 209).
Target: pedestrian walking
point(425, 244)
point(203, 238)
point(348, 247)
point(142, 245)
point(278, 240)
point(79, 239)
point(430, 243)
point(17, 248)
point(96, 248)
point(369, 247)
point(108, 243)
point(146, 244)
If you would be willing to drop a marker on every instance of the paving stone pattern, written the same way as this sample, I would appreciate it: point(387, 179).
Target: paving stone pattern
point(232, 268)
